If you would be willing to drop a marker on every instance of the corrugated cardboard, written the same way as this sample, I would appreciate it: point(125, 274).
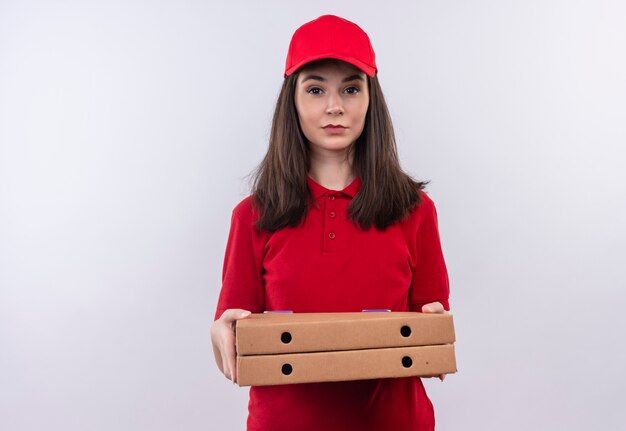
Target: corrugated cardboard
point(262, 370)
point(314, 332)
point(277, 349)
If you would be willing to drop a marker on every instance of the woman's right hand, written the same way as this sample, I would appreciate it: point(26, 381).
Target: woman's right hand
point(223, 340)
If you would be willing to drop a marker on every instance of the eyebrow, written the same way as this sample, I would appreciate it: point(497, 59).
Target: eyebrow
point(322, 79)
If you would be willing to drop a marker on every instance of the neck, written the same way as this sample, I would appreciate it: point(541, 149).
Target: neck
point(332, 172)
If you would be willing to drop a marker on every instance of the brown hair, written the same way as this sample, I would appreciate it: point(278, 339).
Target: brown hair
point(280, 191)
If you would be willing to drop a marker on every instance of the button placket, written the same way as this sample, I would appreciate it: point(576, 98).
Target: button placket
point(331, 234)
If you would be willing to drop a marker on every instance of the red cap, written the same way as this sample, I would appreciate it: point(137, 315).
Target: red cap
point(330, 36)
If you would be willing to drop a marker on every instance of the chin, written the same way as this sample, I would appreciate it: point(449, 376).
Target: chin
point(334, 147)
point(336, 144)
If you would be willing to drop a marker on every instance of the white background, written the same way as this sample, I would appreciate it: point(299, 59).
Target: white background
point(127, 129)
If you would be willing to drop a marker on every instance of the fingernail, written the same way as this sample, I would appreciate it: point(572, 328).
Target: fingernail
point(245, 314)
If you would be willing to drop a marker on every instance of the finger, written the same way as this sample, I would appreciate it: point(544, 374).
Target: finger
point(233, 314)
point(433, 307)
point(229, 358)
point(230, 369)
point(234, 371)
point(226, 371)
point(216, 330)
point(219, 360)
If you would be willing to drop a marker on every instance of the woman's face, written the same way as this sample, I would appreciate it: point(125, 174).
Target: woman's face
point(331, 94)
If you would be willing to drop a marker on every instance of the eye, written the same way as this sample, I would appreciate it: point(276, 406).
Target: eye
point(314, 90)
point(352, 90)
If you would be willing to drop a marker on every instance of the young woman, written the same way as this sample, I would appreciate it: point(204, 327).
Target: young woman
point(332, 225)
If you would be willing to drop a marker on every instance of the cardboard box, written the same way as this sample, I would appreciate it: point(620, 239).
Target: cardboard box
point(275, 349)
point(261, 334)
point(262, 370)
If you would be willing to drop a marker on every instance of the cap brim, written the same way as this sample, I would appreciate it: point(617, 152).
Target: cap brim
point(369, 70)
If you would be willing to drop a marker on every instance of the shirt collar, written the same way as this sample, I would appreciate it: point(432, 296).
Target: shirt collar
point(317, 190)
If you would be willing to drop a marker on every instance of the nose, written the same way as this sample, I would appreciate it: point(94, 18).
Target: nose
point(335, 104)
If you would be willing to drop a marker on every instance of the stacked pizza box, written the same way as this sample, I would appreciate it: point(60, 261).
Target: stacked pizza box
point(284, 348)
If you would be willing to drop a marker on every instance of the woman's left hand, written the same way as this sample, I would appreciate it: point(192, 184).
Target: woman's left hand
point(435, 307)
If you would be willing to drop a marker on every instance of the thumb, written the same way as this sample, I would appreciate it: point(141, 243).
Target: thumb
point(233, 314)
point(433, 307)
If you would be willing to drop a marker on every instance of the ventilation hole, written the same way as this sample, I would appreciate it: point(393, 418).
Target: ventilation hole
point(285, 337)
point(286, 369)
point(407, 362)
point(405, 331)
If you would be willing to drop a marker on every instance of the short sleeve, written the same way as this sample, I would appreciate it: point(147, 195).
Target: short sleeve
point(430, 276)
point(242, 278)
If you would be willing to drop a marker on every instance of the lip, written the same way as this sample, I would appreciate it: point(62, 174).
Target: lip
point(334, 129)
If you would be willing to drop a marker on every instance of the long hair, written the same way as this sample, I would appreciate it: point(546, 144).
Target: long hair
point(280, 191)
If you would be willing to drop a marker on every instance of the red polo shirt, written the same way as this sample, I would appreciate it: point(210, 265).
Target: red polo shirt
point(327, 264)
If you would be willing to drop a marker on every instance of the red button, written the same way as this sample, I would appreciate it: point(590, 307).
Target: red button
point(331, 197)
point(331, 235)
point(331, 214)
